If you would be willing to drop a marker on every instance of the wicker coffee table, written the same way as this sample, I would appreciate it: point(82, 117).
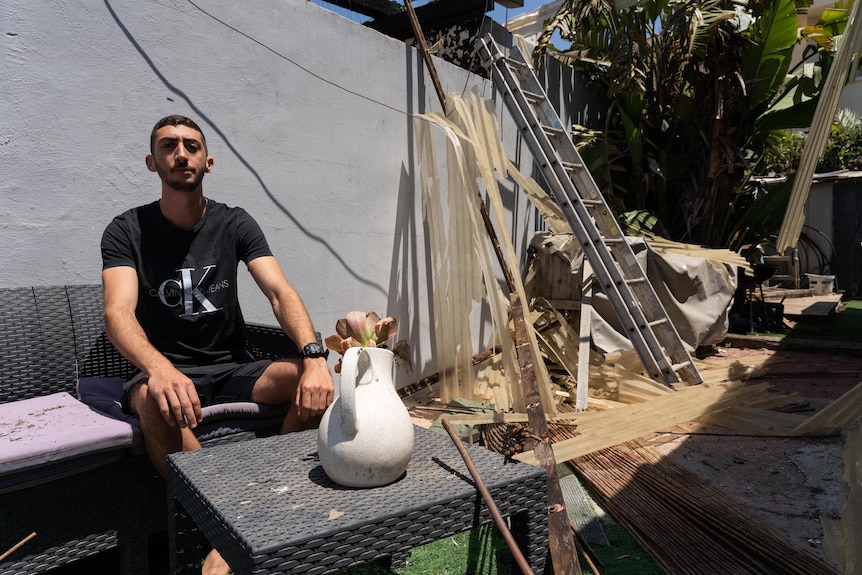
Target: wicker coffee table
point(268, 507)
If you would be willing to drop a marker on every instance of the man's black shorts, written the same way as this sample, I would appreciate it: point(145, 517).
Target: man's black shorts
point(216, 383)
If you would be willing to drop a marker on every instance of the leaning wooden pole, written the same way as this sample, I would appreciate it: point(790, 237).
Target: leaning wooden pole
point(561, 542)
point(17, 546)
point(818, 134)
point(423, 47)
point(560, 538)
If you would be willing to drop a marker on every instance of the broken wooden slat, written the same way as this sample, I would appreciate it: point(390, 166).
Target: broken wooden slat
point(843, 411)
point(842, 538)
point(818, 133)
point(455, 262)
point(560, 538)
point(585, 338)
point(755, 421)
point(430, 380)
point(607, 428)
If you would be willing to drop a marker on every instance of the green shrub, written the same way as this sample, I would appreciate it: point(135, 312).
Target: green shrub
point(843, 149)
point(781, 154)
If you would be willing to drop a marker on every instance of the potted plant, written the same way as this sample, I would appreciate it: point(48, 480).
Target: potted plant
point(365, 438)
point(360, 329)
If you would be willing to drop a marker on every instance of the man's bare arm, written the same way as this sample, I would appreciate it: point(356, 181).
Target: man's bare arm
point(315, 391)
point(175, 393)
point(286, 303)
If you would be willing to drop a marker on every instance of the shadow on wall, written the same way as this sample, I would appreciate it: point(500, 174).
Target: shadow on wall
point(203, 118)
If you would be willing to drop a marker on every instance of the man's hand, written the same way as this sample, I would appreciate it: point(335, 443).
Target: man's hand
point(176, 397)
point(315, 390)
point(173, 392)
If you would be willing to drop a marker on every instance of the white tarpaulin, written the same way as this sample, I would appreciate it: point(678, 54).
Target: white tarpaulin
point(696, 292)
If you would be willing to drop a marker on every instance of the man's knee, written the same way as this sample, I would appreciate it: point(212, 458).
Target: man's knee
point(144, 405)
point(136, 397)
point(277, 385)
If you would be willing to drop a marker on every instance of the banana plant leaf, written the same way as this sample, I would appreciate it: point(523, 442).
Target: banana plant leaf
point(766, 63)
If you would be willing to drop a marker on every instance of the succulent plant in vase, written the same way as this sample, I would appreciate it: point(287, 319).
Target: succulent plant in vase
point(361, 329)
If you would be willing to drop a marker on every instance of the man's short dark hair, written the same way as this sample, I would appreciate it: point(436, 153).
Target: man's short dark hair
point(175, 120)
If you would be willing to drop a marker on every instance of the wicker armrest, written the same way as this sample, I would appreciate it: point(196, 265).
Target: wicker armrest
point(270, 342)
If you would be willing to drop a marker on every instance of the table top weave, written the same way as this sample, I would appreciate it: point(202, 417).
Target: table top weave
point(273, 492)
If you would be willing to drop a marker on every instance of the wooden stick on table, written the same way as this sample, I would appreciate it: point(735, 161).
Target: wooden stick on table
point(17, 546)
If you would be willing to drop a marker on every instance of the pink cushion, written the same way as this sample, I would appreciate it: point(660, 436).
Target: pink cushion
point(104, 394)
point(54, 428)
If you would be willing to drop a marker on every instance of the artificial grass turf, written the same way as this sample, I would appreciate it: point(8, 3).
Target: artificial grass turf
point(845, 325)
point(482, 551)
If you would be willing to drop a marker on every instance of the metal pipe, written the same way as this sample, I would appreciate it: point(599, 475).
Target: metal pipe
point(486, 495)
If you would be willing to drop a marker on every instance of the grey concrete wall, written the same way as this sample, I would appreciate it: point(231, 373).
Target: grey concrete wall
point(307, 114)
point(851, 97)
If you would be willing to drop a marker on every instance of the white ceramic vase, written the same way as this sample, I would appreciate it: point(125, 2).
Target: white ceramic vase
point(365, 438)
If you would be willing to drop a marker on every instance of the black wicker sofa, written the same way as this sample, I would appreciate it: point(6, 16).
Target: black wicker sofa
point(76, 473)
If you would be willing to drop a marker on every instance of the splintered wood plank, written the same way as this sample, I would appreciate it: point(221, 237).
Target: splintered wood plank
point(755, 421)
point(607, 428)
point(842, 534)
point(851, 515)
point(455, 278)
point(474, 153)
point(841, 412)
point(560, 538)
point(716, 256)
point(818, 133)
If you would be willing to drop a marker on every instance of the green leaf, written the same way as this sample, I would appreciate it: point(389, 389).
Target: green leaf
point(765, 214)
point(766, 62)
point(835, 19)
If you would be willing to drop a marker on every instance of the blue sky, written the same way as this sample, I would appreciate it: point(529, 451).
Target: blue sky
point(499, 13)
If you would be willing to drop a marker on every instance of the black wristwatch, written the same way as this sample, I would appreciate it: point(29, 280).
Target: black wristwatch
point(314, 349)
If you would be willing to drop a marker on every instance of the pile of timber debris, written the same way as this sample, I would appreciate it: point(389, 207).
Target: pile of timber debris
point(530, 380)
point(685, 523)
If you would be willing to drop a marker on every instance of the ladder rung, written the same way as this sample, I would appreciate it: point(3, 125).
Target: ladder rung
point(678, 366)
point(532, 96)
point(633, 281)
point(587, 202)
point(572, 167)
point(614, 240)
point(551, 130)
point(515, 63)
point(659, 321)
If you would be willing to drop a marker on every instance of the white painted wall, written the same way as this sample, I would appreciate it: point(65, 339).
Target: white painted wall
point(307, 114)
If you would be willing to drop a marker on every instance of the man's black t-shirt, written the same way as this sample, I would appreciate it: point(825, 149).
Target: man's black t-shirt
point(187, 280)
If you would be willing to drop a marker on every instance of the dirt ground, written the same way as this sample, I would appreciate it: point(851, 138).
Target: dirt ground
point(788, 482)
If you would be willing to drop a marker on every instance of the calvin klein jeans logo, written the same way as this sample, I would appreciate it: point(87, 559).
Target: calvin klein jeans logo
point(186, 293)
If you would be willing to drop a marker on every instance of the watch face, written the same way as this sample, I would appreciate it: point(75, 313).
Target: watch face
point(314, 350)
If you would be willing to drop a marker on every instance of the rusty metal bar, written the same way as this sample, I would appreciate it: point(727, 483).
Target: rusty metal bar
point(486, 495)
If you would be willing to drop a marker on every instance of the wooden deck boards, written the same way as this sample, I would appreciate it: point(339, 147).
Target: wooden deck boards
point(803, 303)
